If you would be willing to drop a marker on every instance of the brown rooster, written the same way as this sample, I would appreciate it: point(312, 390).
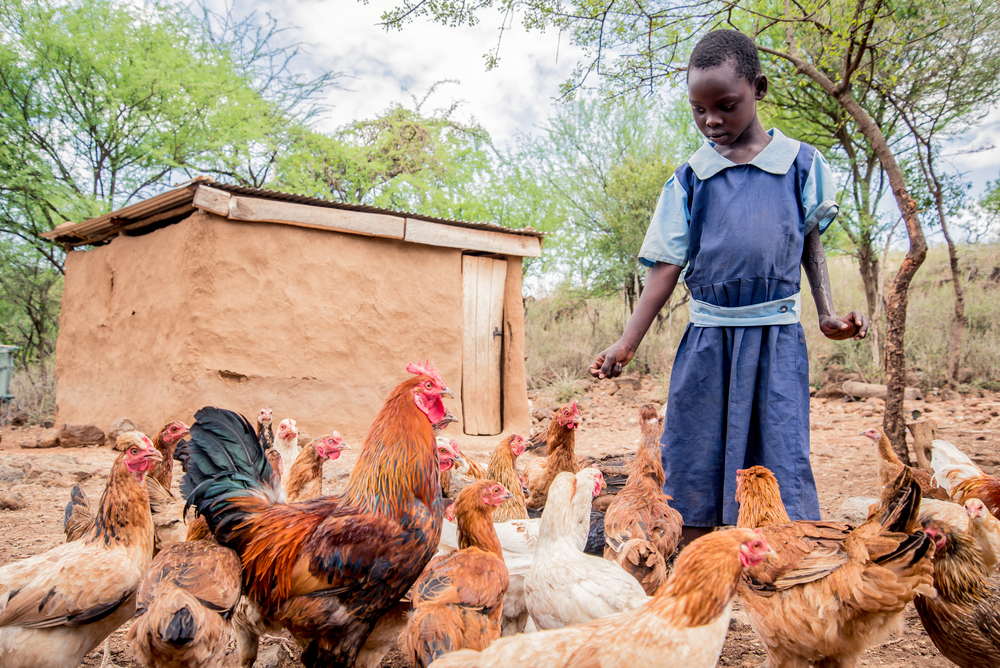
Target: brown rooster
point(833, 591)
point(889, 466)
point(684, 624)
point(503, 469)
point(963, 620)
point(560, 455)
point(55, 607)
point(327, 569)
point(183, 604)
point(458, 599)
point(305, 480)
point(641, 530)
point(166, 442)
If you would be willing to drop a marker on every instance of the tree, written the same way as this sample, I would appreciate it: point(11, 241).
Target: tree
point(844, 49)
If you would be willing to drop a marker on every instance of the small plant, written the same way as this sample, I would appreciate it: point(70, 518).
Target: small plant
point(34, 391)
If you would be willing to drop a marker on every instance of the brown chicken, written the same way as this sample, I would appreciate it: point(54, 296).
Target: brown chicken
point(265, 430)
point(327, 569)
point(684, 624)
point(641, 530)
point(183, 604)
point(889, 466)
point(458, 599)
point(961, 478)
point(560, 455)
point(963, 620)
point(55, 607)
point(503, 469)
point(833, 591)
point(166, 442)
point(305, 480)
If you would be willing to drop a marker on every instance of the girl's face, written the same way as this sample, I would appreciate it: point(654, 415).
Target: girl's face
point(724, 103)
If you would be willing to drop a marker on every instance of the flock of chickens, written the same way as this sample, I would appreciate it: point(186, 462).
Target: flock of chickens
point(252, 548)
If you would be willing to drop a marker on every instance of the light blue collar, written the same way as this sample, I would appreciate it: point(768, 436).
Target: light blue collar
point(776, 158)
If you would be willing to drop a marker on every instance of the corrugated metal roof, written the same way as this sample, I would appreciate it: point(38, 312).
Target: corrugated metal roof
point(176, 203)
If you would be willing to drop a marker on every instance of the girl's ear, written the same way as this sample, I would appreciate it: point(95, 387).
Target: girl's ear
point(760, 87)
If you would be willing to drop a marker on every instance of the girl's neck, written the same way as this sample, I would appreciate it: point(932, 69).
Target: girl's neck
point(748, 145)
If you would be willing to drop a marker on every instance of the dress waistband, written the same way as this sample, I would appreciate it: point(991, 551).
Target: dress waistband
point(787, 311)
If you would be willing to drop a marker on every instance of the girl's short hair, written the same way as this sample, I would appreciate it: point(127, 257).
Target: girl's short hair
point(720, 46)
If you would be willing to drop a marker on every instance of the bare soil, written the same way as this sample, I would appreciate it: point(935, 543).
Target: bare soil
point(844, 464)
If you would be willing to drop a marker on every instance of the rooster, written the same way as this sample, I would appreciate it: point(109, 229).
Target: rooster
point(503, 469)
point(328, 568)
point(457, 601)
point(560, 455)
point(183, 604)
point(961, 479)
point(641, 530)
point(684, 624)
point(889, 466)
point(566, 586)
point(963, 619)
point(833, 591)
point(305, 480)
point(57, 606)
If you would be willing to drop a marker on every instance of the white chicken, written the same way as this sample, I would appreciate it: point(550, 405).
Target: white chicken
point(286, 442)
point(565, 586)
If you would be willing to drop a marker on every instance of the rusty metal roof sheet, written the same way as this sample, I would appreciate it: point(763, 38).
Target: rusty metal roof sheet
point(176, 203)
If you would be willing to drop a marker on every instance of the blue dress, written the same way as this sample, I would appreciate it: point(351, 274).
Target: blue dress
point(739, 388)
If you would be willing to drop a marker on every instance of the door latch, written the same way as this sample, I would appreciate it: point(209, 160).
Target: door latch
point(496, 333)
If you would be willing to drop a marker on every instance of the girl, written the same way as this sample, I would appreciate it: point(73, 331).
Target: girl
point(741, 214)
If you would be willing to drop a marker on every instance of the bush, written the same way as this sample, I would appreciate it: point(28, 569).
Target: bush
point(34, 391)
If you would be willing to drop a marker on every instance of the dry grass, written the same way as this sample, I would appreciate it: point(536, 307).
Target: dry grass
point(566, 329)
point(34, 393)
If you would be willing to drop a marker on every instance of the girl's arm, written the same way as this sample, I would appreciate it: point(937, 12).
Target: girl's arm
point(814, 262)
point(660, 283)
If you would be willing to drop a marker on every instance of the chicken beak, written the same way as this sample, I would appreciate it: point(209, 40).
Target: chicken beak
point(506, 496)
point(153, 455)
point(771, 555)
point(345, 446)
point(447, 393)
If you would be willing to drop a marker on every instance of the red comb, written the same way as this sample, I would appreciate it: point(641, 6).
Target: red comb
point(426, 370)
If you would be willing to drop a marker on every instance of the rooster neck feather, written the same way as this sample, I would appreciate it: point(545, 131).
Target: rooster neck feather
point(647, 463)
point(398, 463)
point(123, 516)
point(559, 438)
point(760, 503)
point(475, 523)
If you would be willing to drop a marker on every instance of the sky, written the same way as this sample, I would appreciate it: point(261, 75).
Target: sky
point(516, 97)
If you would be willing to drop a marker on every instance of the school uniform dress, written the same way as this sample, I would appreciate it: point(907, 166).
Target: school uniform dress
point(739, 389)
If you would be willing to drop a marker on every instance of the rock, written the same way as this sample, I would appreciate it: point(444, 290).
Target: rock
point(12, 501)
point(18, 418)
point(948, 394)
point(875, 401)
point(48, 424)
point(119, 427)
point(46, 439)
point(540, 414)
point(831, 391)
point(964, 375)
point(274, 656)
point(855, 509)
point(610, 387)
point(80, 436)
point(626, 381)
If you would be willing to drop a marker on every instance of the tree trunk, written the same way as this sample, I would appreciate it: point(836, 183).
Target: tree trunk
point(868, 265)
point(897, 293)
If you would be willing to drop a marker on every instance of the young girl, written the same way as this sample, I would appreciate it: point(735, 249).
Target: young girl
point(742, 214)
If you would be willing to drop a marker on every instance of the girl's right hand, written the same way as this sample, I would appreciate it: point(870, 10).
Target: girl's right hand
point(610, 362)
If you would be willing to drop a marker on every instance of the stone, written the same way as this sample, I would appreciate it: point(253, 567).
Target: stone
point(48, 424)
point(48, 439)
point(626, 381)
point(964, 375)
point(611, 387)
point(80, 436)
point(831, 391)
point(948, 394)
point(12, 501)
point(119, 427)
point(274, 656)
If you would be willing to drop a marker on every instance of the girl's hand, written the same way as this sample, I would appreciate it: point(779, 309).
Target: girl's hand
point(610, 361)
point(855, 326)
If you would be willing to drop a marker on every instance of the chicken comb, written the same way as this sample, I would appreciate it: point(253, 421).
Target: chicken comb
point(426, 370)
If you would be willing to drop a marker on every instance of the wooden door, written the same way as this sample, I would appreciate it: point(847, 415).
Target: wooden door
point(483, 280)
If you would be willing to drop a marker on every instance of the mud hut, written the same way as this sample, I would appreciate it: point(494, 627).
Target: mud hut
point(213, 294)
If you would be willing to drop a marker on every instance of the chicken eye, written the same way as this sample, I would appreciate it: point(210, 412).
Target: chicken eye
point(135, 451)
point(427, 385)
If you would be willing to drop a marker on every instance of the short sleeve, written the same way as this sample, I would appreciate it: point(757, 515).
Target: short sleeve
point(819, 195)
point(668, 237)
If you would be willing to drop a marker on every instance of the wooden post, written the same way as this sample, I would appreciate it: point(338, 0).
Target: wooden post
point(923, 431)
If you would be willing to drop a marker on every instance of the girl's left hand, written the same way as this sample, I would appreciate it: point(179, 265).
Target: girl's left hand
point(855, 326)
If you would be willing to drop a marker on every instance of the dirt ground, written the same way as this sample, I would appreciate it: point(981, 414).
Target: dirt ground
point(843, 463)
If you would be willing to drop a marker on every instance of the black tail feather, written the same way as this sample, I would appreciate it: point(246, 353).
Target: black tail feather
point(225, 460)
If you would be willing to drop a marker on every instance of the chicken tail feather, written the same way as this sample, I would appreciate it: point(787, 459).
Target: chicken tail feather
point(899, 507)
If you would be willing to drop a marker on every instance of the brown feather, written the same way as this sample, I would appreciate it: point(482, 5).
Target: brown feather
point(503, 469)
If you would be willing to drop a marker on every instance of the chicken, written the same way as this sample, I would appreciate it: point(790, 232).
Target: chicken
point(641, 530)
point(329, 568)
point(57, 606)
point(183, 604)
point(889, 466)
point(286, 442)
point(265, 432)
point(448, 463)
point(833, 591)
point(566, 586)
point(963, 618)
point(961, 479)
point(166, 442)
point(684, 624)
point(458, 599)
point(985, 530)
point(560, 455)
point(503, 469)
point(467, 469)
point(305, 480)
